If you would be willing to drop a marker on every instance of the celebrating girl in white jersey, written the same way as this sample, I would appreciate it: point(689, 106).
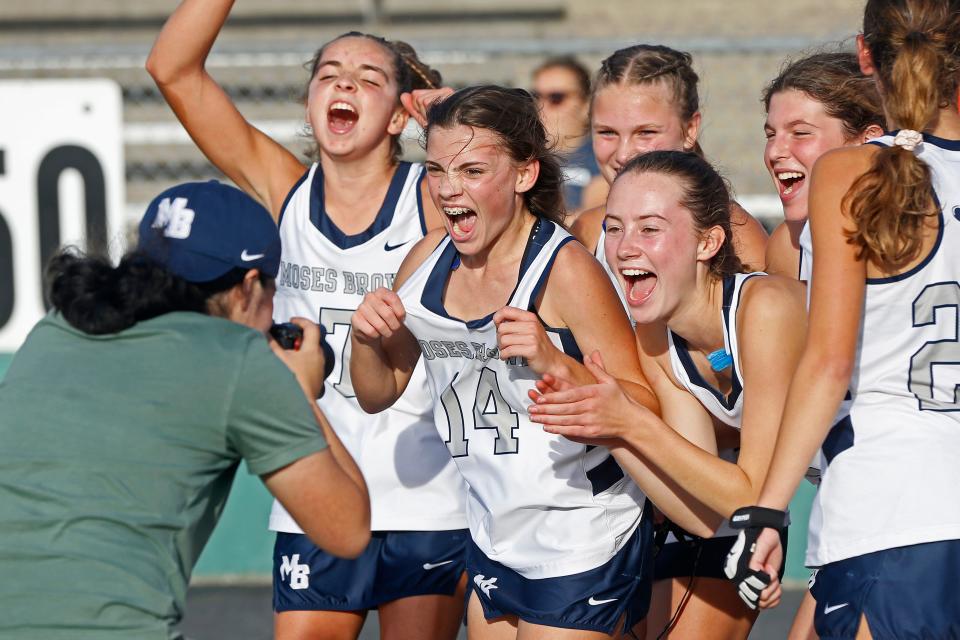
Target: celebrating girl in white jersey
point(645, 98)
point(817, 103)
point(560, 540)
point(885, 220)
point(718, 346)
point(345, 224)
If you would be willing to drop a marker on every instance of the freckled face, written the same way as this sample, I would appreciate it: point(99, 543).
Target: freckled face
point(798, 132)
point(352, 101)
point(651, 243)
point(474, 182)
point(629, 120)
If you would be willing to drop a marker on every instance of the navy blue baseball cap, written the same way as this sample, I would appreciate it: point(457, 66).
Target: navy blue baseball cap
point(202, 230)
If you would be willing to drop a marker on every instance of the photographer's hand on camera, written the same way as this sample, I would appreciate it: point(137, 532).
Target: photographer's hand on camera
point(307, 363)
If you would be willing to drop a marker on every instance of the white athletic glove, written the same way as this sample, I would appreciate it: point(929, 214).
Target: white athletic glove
point(751, 521)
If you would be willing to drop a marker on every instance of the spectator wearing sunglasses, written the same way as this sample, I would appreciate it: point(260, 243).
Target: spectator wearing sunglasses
point(562, 89)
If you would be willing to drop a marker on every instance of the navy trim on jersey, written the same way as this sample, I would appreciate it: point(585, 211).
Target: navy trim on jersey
point(605, 475)
point(839, 439)
point(323, 223)
point(567, 341)
point(917, 268)
point(423, 217)
point(546, 271)
point(944, 143)
point(729, 401)
point(290, 193)
point(432, 298)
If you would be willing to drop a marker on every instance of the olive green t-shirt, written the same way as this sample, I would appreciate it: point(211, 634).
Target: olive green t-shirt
point(116, 456)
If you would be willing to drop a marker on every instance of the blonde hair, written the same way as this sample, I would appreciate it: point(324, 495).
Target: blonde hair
point(915, 47)
point(644, 64)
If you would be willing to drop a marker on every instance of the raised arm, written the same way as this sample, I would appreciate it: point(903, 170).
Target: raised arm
point(256, 163)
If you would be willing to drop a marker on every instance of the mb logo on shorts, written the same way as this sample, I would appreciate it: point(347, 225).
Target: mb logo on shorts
point(299, 573)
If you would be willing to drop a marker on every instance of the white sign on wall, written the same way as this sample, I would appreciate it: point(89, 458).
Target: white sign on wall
point(61, 182)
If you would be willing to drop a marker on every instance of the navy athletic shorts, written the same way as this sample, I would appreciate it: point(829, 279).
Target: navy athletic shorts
point(905, 592)
point(593, 600)
point(396, 564)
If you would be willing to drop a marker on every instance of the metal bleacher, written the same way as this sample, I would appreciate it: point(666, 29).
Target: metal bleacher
point(738, 46)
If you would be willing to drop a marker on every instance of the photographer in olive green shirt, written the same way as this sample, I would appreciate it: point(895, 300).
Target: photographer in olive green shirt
point(127, 411)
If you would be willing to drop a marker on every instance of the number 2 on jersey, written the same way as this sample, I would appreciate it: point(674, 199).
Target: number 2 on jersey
point(490, 411)
point(934, 297)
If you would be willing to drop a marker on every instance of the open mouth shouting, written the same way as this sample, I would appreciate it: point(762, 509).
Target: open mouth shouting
point(462, 222)
point(638, 285)
point(789, 183)
point(341, 117)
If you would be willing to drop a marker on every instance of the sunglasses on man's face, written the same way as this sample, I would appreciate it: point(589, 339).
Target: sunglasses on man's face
point(556, 98)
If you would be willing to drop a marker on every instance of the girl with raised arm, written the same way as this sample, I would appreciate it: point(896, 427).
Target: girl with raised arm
point(346, 223)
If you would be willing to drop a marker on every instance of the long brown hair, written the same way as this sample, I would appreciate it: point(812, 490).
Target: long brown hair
point(835, 81)
point(512, 115)
point(651, 63)
point(915, 47)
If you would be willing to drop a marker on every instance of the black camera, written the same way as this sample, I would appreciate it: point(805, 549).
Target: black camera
point(290, 336)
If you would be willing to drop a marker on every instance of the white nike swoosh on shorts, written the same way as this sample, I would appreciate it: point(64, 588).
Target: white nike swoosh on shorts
point(828, 609)
point(594, 602)
point(428, 565)
point(247, 257)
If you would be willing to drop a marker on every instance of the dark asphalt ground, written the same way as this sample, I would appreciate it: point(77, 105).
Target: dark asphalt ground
point(244, 613)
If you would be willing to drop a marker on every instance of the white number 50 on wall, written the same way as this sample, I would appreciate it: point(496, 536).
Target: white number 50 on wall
point(61, 182)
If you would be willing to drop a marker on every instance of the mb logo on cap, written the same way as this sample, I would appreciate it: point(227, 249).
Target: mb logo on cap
point(202, 230)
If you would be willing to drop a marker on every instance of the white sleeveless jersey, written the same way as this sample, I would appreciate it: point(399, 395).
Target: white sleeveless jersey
point(538, 503)
point(324, 275)
point(893, 469)
point(727, 409)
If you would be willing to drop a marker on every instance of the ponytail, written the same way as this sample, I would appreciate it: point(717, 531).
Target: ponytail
point(915, 47)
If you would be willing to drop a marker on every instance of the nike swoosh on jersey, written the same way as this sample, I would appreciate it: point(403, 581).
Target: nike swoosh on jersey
point(433, 565)
point(247, 257)
point(827, 610)
point(594, 602)
point(390, 247)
